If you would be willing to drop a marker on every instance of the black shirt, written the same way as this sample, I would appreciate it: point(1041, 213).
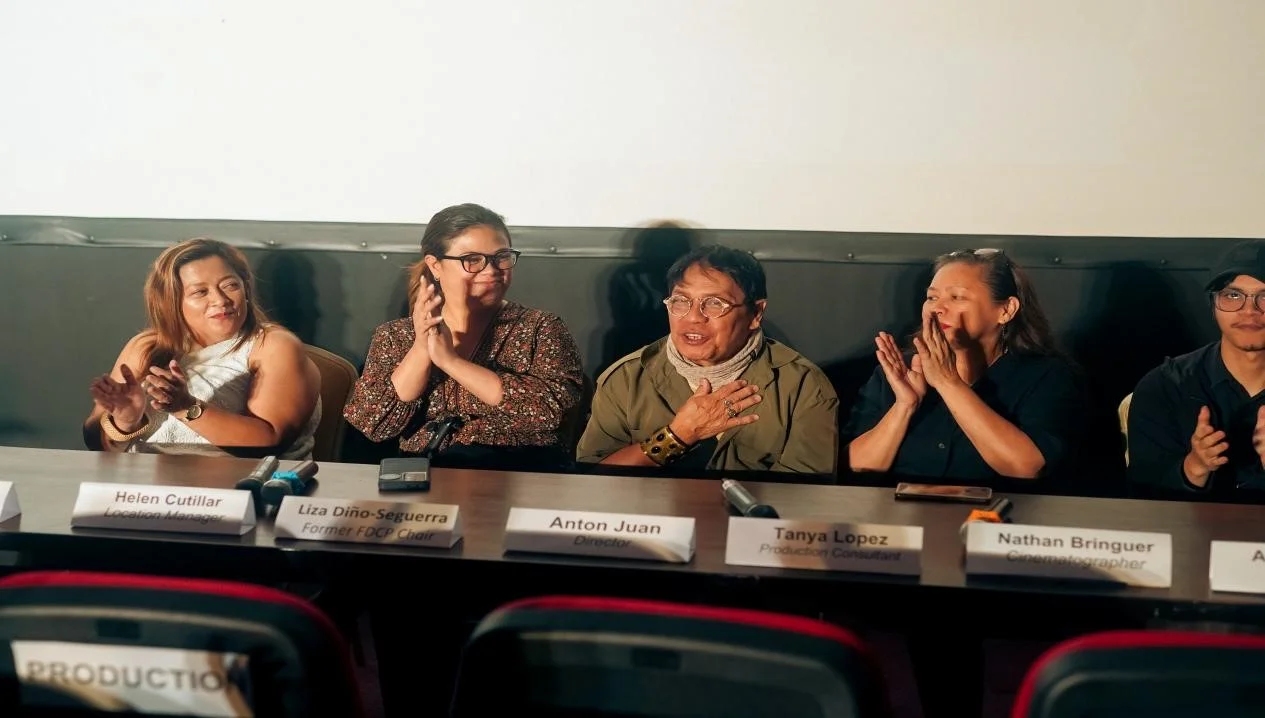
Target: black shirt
point(1162, 417)
point(1040, 395)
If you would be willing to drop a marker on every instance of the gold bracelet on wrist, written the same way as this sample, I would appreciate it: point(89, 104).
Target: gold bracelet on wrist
point(663, 446)
point(117, 435)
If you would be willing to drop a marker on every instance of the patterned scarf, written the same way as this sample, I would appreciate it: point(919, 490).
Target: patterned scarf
point(720, 374)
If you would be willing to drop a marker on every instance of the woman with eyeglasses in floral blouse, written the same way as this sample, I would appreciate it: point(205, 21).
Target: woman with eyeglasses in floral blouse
point(985, 392)
point(503, 377)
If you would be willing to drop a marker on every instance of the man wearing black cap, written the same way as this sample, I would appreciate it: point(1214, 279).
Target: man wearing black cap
point(1197, 422)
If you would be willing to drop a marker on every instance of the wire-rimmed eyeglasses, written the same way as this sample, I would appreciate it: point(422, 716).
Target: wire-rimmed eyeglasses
point(1234, 300)
point(711, 307)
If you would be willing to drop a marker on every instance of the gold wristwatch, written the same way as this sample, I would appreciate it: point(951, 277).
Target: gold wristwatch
point(195, 411)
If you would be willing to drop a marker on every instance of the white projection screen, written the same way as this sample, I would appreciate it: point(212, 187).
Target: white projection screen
point(1062, 117)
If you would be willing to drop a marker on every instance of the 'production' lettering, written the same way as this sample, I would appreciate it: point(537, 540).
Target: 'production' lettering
point(838, 552)
point(108, 676)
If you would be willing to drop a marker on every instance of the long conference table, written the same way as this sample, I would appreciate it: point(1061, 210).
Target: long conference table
point(427, 584)
point(47, 483)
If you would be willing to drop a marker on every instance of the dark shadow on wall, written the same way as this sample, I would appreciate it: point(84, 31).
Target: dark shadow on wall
point(633, 314)
point(634, 292)
point(1136, 317)
point(399, 306)
point(907, 287)
point(303, 292)
point(356, 447)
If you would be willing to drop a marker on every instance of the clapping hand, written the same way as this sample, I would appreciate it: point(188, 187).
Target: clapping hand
point(124, 401)
point(168, 388)
point(439, 345)
point(1258, 435)
point(907, 382)
point(426, 314)
point(1208, 447)
point(938, 361)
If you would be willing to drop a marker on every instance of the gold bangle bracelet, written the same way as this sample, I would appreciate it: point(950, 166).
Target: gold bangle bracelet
point(663, 446)
point(117, 435)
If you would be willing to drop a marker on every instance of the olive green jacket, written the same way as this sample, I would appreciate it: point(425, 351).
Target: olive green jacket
point(797, 430)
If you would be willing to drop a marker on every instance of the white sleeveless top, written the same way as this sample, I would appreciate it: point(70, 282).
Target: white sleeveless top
point(220, 376)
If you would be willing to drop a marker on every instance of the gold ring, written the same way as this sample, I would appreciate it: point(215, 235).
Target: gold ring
point(729, 409)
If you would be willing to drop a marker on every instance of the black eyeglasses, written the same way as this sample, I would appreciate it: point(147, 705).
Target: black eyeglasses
point(474, 262)
point(1233, 300)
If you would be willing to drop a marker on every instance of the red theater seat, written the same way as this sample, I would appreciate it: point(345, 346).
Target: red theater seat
point(580, 656)
point(1147, 674)
point(77, 643)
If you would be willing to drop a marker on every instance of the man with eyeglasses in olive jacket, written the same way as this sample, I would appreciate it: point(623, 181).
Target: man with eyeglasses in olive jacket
point(715, 394)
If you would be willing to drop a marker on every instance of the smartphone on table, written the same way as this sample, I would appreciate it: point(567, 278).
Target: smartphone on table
point(940, 492)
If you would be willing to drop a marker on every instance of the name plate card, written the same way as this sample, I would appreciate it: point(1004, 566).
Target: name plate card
point(8, 501)
point(1135, 558)
point(1237, 566)
point(183, 509)
point(637, 536)
point(142, 679)
point(824, 546)
point(353, 520)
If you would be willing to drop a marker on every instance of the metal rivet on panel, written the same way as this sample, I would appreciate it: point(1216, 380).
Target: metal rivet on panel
point(851, 255)
point(553, 249)
point(1058, 260)
point(364, 245)
point(272, 243)
point(1163, 261)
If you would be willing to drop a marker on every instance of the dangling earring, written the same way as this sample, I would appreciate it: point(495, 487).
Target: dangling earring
point(1005, 336)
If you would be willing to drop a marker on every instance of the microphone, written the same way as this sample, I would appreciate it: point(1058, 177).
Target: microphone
point(254, 481)
point(998, 513)
point(744, 503)
point(294, 482)
point(442, 428)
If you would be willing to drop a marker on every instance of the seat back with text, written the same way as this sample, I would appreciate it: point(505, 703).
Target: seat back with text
point(81, 643)
point(1151, 674)
point(579, 657)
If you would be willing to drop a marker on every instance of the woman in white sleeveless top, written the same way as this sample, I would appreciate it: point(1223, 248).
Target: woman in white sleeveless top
point(210, 375)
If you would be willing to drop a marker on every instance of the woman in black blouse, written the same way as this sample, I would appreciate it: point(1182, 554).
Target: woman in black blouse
point(984, 393)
